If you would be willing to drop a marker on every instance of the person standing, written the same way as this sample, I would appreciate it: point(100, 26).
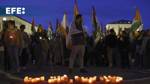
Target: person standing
point(145, 47)
point(111, 45)
point(77, 34)
point(41, 47)
point(12, 44)
point(124, 49)
point(44, 48)
point(2, 50)
point(24, 49)
point(58, 49)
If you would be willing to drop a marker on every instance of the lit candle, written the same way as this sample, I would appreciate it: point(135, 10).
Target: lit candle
point(33, 81)
point(11, 37)
point(77, 79)
point(49, 81)
point(66, 78)
point(71, 81)
point(40, 37)
point(30, 79)
point(90, 81)
point(38, 80)
point(119, 80)
point(42, 78)
point(111, 80)
point(58, 80)
point(26, 80)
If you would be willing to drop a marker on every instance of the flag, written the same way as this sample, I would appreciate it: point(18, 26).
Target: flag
point(60, 30)
point(97, 27)
point(64, 22)
point(50, 26)
point(64, 25)
point(33, 26)
point(94, 18)
point(65, 31)
point(76, 10)
point(50, 31)
point(57, 25)
point(137, 22)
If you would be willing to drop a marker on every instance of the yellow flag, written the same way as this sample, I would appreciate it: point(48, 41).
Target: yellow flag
point(137, 15)
point(64, 26)
point(76, 10)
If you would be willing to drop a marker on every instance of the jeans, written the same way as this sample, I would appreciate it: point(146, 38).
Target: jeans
point(13, 54)
point(77, 50)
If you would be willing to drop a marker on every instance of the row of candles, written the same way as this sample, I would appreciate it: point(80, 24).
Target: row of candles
point(76, 80)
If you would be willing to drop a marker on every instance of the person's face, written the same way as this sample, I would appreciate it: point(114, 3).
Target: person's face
point(22, 29)
point(79, 21)
point(40, 29)
point(11, 26)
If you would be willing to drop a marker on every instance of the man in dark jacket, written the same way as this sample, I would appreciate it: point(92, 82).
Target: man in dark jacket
point(111, 44)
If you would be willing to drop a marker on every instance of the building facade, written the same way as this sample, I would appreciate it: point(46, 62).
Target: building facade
point(18, 21)
point(119, 25)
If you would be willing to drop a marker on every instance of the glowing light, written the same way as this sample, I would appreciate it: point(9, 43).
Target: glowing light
point(4, 18)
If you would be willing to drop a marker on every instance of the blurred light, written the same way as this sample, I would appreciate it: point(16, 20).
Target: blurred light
point(4, 18)
point(107, 26)
point(12, 19)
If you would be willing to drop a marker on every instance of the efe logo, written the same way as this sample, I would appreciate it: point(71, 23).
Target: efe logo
point(15, 10)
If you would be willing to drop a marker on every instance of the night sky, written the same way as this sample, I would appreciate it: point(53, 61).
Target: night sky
point(107, 10)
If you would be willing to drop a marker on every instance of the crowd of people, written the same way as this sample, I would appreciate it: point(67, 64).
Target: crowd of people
point(18, 50)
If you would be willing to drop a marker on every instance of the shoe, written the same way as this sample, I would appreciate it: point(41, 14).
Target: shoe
point(83, 71)
point(70, 70)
